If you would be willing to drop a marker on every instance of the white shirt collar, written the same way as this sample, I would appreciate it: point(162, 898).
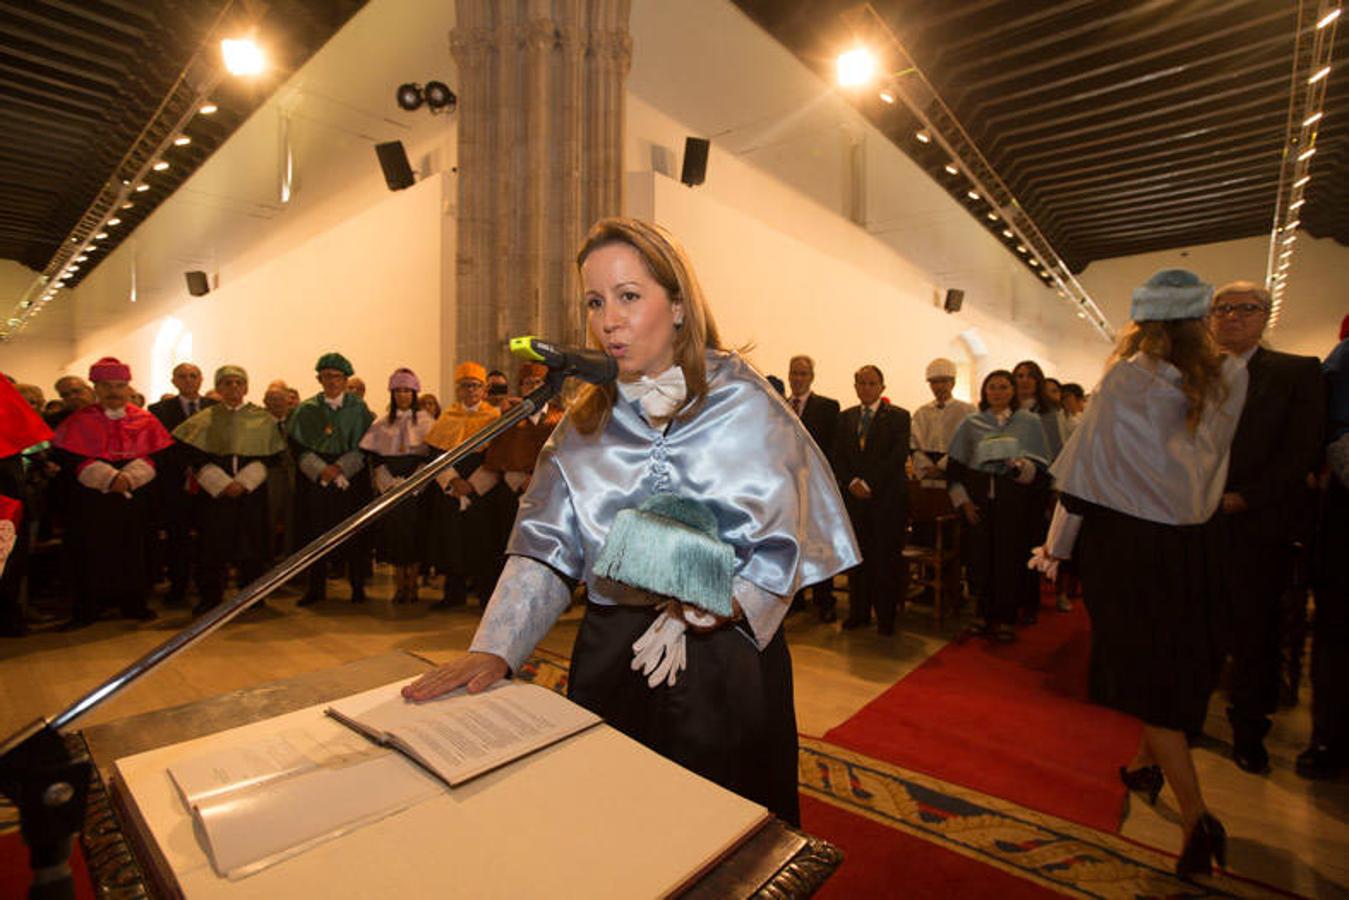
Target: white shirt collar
point(335, 404)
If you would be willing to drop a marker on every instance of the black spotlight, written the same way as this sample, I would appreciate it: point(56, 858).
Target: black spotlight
point(410, 96)
point(439, 97)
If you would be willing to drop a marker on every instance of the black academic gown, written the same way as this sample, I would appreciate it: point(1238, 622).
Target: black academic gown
point(402, 535)
point(996, 549)
point(232, 531)
point(107, 543)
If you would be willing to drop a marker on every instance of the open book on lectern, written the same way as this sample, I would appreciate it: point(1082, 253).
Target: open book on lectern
point(256, 803)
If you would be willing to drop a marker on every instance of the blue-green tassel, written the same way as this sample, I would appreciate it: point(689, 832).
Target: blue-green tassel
point(669, 546)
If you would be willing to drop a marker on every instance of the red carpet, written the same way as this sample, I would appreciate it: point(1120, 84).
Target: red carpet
point(1007, 720)
point(883, 862)
point(15, 875)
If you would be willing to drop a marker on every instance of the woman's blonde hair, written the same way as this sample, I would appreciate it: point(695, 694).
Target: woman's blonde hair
point(669, 265)
point(1187, 345)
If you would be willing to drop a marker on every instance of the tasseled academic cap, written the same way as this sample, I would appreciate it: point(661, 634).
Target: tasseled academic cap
point(109, 368)
point(226, 371)
point(1171, 294)
point(334, 361)
point(669, 546)
point(404, 378)
point(472, 370)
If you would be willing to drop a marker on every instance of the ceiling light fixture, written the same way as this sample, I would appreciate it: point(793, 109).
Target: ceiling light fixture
point(923, 137)
point(142, 188)
point(1306, 154)
point(114, 221)
point(856, 67)
point(100, 236)
point(973, 195)
point(208, 109)
point(1328, 18)
point(1297, 204)
point(160, 166)
point(1312, 119)
point(992, 216)
point(128, 205)
point(1021, 248)
point(951, 169)
point(242, 56)
point(182, 140)
point(1321, 73)
point(1301, 182)
point(887, 96)
point(1007, 232)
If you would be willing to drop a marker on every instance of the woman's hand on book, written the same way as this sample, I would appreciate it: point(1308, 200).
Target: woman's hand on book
point(477, 670)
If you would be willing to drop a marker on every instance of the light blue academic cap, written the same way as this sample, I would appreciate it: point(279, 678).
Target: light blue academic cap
point(1171, 294)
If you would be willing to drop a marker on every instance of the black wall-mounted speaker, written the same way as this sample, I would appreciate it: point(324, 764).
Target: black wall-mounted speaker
point(954, 298)
point(393, 159)
point(197, 284)
point(694, 171)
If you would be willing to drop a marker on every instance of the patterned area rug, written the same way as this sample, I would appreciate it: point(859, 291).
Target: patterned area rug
point(1057, 855)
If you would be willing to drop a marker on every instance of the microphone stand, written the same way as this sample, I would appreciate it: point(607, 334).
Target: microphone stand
point(37, 772)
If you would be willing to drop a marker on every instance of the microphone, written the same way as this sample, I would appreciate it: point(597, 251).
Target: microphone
point(573, 362)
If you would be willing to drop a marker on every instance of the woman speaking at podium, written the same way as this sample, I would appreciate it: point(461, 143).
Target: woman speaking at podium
point(693, 504)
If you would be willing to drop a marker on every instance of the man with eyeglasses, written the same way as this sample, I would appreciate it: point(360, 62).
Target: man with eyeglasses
point(1277, 445)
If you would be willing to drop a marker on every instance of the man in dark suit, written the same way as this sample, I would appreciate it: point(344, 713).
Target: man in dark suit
point(1277, 445)
point(173, 507)
point(871, 444)
point(820, 416)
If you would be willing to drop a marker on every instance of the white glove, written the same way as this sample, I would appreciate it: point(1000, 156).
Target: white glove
point(340, 482)
point(1025, 470)
point(383, 480)
point(1042, 562)
point(660, 653)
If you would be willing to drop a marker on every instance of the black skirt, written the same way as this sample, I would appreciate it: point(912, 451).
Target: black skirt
point(1153, 593)
point(730, 718)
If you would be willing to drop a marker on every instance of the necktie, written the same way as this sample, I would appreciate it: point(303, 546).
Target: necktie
point(192, 407)
point(863, 425)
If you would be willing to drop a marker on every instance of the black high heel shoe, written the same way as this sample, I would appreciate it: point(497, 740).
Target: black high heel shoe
point(1146, 780)
point(1207, 842)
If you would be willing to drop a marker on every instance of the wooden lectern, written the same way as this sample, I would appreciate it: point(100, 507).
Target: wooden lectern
point(125, 862)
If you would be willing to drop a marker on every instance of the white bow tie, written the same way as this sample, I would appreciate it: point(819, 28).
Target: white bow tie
point(659, 396)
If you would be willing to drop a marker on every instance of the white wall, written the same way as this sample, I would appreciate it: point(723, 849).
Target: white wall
point(346, 264)
point(40, 355)
point(1314, 303)
point(369, 287)
point(782, 264)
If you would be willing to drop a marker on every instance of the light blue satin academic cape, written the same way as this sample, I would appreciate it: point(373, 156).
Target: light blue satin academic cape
point(744, 454)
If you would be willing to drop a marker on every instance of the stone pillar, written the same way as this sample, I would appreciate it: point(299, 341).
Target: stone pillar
point(540, 135)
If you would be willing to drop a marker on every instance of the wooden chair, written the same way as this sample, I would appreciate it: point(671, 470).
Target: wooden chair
point(934, 559)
